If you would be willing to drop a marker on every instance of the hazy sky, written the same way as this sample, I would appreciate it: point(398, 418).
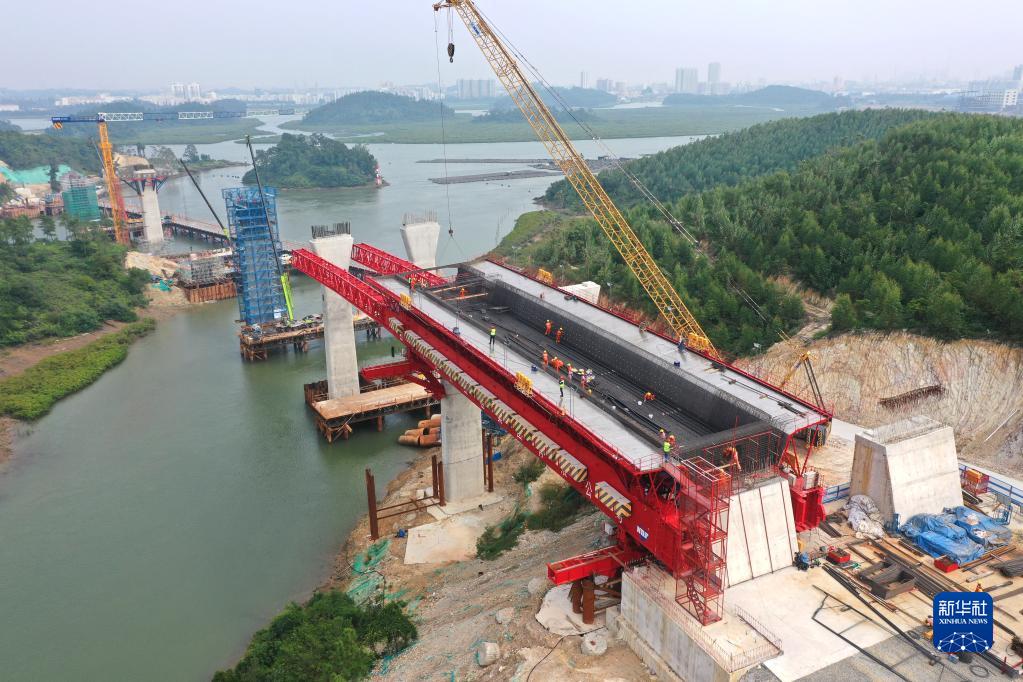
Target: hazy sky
point(347, 42)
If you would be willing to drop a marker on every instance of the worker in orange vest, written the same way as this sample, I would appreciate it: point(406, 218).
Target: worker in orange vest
point(547, 328)
point(671, 439)
point(545, 358)
point(461, 292)
point(558, 364)
point(648, 397)
point(558, 335)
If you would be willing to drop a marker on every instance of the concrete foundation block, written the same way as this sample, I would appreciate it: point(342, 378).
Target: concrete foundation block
point(487, 654)
point(595, 643)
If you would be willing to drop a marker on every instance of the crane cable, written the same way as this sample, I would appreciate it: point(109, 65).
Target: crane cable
point(632, 177)
point(443, 134)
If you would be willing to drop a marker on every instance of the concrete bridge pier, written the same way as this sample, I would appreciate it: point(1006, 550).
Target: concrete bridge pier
point(420, 234)
point(146, 184)
point(461, 431)
point(338, 327)
point(461, 446)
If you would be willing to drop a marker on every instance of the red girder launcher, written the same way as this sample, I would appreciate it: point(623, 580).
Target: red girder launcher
point(678, 515)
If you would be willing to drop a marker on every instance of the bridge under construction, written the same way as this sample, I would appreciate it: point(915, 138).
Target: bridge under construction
point(604, 438)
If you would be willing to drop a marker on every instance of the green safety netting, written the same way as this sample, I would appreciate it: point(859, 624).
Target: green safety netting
point(32, 176)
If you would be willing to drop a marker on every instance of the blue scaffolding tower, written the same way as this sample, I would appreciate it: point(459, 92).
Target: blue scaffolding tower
point(260, 291)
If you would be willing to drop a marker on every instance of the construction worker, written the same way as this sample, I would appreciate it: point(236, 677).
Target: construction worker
point(671, 439)
point(648, 397)
point(461, 292)
point(569, 370)
point(558, 335)
point(561, 387)
point(545, 358)
point(493, 337)
point(667, 450)
point(558, 364)
point(663, 434)
point(583, 379)
point(547, 328)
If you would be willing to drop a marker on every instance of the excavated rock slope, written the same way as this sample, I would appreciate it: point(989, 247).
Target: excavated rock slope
point(982, 382)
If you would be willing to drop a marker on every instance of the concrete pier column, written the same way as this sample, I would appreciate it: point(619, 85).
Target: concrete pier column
point(461, 446)
point(338, 328)
point(152, 221)
point(420, 234)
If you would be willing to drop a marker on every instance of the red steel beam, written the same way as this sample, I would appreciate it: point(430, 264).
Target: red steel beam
point(389, 264)
point(653, 524)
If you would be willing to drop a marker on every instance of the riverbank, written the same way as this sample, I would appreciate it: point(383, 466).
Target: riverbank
point(456, 603)
point(17, 360)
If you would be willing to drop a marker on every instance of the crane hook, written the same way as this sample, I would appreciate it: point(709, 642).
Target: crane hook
point(451, 52)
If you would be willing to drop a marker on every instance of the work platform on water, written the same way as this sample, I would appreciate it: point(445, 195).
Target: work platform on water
point(257, 344)
point(336, 417)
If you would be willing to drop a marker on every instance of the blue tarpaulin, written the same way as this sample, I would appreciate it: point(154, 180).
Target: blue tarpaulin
point(982, 529)
point(938, 535)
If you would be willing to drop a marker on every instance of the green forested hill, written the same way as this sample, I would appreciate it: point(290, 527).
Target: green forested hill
point(313, 161)
point(733, 157)
point(921, 228)
point(376, 107)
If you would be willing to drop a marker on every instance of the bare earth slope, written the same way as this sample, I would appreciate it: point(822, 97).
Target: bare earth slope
point(982, 384)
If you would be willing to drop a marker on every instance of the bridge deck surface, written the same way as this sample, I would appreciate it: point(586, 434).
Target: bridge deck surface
point(780, 410)
point(630, 444)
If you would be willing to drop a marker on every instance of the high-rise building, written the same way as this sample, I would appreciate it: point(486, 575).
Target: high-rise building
point(178, 90)
point(686, 80)
point(605, 84)
point(476, 89)
point(1017, 73)
point(584, 79)
point(714, 73)
point(193, 93)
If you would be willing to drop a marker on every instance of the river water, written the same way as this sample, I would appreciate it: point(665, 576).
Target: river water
point(152, 522)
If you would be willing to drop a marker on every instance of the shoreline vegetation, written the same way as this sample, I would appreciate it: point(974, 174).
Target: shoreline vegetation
point(31, 394)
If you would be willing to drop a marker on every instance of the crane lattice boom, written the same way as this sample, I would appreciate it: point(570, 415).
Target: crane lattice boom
point(117, 212)
point(578, 173)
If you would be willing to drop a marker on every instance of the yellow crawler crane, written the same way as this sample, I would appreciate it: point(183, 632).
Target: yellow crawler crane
point(578, 173)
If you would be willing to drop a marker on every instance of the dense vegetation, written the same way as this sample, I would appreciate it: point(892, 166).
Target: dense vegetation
point(573, 98)
point(6, 126)
point(376, 107)
point(576, 249)
point(53, 288)
point(921, 228)
point(329, 639)
point(781, 96)
point(313, 161)
point(733, 157)
point(32, 393)
point(23, 150)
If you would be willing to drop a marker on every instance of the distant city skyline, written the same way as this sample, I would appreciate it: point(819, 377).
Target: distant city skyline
point(363, 44)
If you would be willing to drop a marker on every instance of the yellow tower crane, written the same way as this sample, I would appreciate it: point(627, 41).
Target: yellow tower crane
point(578, 173)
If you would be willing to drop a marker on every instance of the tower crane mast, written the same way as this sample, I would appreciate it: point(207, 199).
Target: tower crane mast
point(614, 225)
